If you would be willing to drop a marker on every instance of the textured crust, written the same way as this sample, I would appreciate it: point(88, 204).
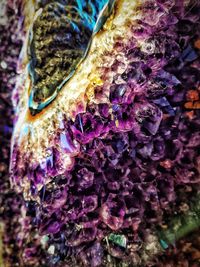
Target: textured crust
point(34, 136)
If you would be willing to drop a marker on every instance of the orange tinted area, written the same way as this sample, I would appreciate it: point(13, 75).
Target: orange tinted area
point(197, 44)
point(193, 95)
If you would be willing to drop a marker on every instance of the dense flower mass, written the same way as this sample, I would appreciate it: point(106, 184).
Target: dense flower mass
point(133, 148)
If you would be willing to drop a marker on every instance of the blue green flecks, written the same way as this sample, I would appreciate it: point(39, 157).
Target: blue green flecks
point(163, 244)
point(118, 239)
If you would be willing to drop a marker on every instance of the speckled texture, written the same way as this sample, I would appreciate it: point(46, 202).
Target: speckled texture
point(120, 95)
point(37, 135)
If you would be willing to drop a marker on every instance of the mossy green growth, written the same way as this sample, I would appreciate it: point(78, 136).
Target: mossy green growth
point(181, 225)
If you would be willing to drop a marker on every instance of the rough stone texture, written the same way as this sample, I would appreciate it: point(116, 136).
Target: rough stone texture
point(157, 198)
